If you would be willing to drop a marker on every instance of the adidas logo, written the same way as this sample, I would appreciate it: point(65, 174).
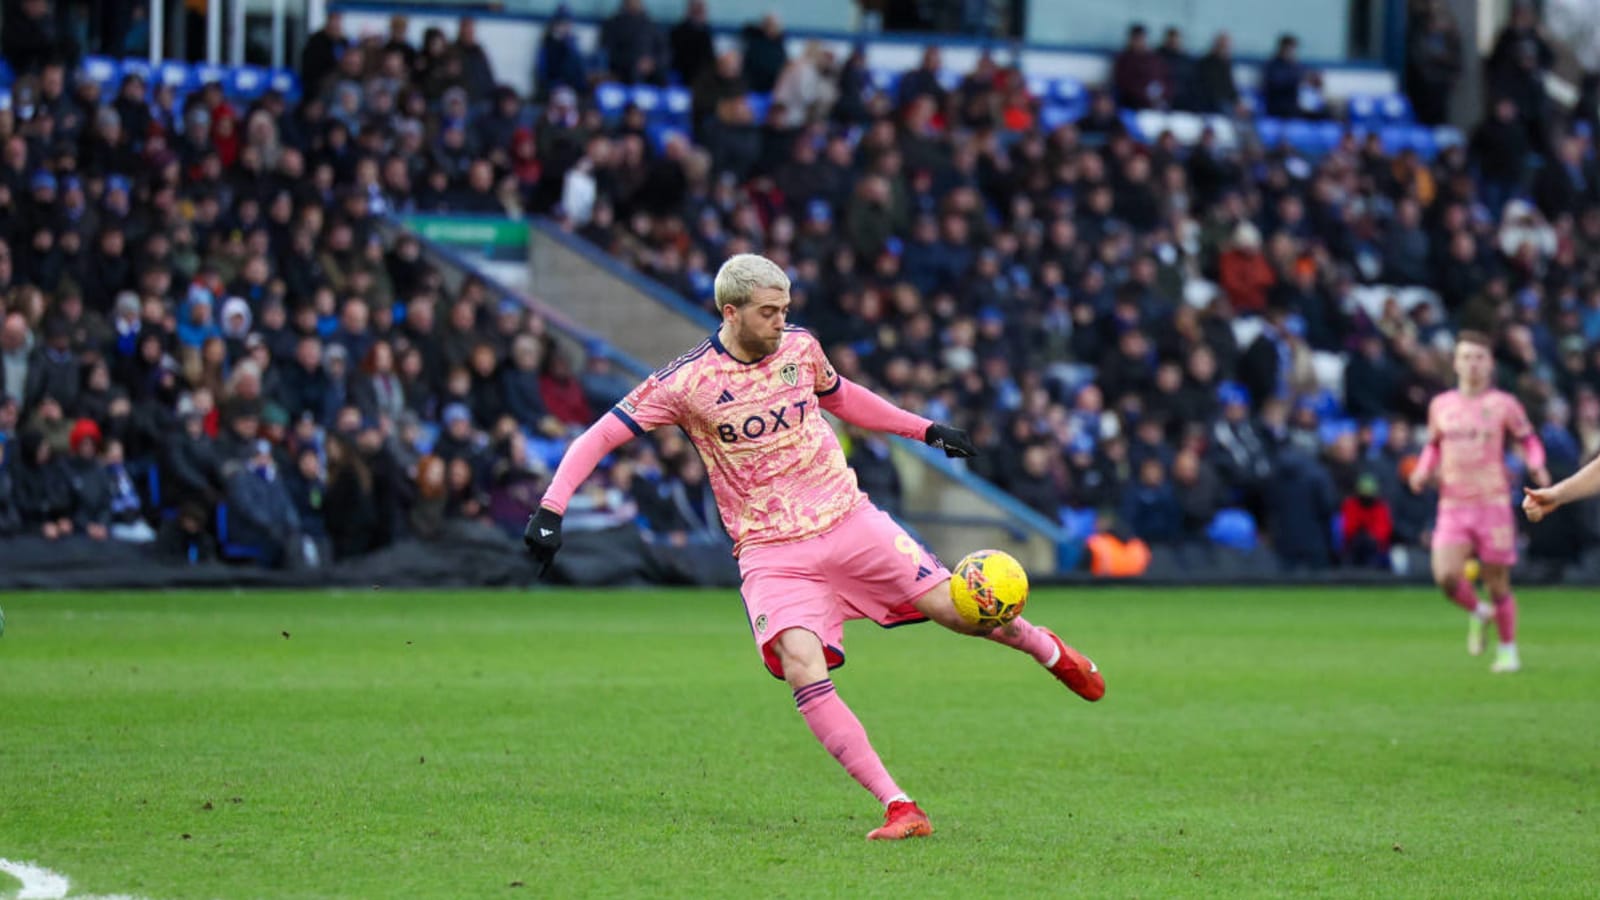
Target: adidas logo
point(923, 572)
point(727, 397)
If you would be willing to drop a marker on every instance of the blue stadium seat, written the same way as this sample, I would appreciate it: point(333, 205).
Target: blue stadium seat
point(1270, 131)
point(176, 75)
point(759, 104)
point(611, 98)
point(1329, 134)
point(140, 67)
point(1079, 523)
point(230, 550)
point(1069, 90)
point(248, 82)
point(1332, 428)
point(679, 103)
point(1423, 141)
point(1395, 108)
point(1130, 121)
point(1336, 538)
point(647, 98)
point(285, 82)
point(1362, 108)
point(1447, 136)
point(1302, 136)
point(1055, 115)
point(1380, 432)
point(1233, 528)
point(207, 73)
point(658, 133)
point(103, 71)
point(427, 436)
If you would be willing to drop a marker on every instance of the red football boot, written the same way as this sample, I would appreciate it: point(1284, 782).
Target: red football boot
point(1077, 672)
point(902, 820)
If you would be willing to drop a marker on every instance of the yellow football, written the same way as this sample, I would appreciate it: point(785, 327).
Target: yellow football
point(989, 588)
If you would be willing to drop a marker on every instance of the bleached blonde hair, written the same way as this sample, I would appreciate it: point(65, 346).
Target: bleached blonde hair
point(742, 275)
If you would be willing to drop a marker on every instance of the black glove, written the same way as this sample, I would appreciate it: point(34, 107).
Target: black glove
point(543, 537)
point(953, 441)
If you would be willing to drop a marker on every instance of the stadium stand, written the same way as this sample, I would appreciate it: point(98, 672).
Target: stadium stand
point(1192, 323)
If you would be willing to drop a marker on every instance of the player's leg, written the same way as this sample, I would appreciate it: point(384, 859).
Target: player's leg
point(1497, 578)
point(1451, 547)
point(1498, 553)
point(1070, 667)
point(804, 664)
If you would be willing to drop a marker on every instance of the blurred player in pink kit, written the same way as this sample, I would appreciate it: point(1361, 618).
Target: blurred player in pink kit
point(813, 551)
point(1466, 445)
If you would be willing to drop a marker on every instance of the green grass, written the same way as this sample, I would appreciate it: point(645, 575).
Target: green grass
point(448, 745)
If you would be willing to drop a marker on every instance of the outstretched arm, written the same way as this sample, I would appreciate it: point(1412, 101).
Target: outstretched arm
point(543, 532)
point(865, 409)
point(1540, 502)
point(581, 458)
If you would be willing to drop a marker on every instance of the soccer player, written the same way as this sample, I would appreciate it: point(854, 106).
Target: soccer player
point(1466, 446)
point(813, 551)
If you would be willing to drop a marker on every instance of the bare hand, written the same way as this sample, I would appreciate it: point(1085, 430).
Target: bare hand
point(1418, 481)
point(96, 530)
point(1539, 502)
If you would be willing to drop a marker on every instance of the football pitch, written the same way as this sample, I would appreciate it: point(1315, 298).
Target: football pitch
point(552, 743)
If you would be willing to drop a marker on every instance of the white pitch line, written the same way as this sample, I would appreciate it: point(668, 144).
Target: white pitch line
point(38, 883)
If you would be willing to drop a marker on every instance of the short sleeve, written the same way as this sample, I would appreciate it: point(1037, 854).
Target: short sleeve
point(827, 380)
point(649, 406)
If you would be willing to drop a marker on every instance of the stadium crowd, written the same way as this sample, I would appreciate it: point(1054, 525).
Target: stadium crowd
point(202, 289)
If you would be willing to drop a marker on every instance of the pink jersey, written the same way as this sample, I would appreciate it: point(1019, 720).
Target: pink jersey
point(1470, 432)
point(775, 465)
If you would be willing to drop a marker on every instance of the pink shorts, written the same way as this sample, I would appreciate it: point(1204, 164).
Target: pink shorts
point(867, 567)
point(1490, 530)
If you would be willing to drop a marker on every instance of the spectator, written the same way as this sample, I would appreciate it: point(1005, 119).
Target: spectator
point(1150, 509)
point(690, 39)
point(43, 489)
point(1246, 275)
point(634, 48)
point(10, 514)
point(1180, 72)
point(1198, 490)
point(349, 510)
point(1302, 503)
point(1214, 90)
point(261, 512)
point(1516, 67)
point(1433, 62)
point(1367, 527)
point(1281, 80)
point(476, 72)
point(876, 473)
point(1139, 74)
point(560, 60)
point(765, 54)
point(91, 483)
point(127, 520)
